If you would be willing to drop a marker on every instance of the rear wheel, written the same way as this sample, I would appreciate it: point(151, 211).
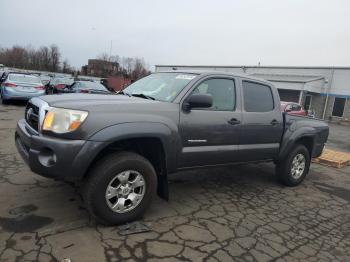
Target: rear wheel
point(292, 170)
point(120, 187)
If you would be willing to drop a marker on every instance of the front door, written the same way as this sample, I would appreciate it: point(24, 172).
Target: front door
point(210, 136)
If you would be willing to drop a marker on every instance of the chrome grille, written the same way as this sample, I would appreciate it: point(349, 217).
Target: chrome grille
point(31, 115)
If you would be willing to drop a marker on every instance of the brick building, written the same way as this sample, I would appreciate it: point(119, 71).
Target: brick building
point(100, 68)
point(107, 72)
point(118, 82)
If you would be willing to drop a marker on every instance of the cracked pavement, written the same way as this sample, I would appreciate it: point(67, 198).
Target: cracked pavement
point(225, 214)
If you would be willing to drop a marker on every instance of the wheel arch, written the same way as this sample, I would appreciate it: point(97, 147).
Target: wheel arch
point(299, 138)
point(152, 141)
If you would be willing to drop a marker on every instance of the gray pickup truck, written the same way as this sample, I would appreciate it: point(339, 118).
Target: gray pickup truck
point(122, 147)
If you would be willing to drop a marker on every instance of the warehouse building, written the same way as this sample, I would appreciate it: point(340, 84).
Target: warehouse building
point(323, 90)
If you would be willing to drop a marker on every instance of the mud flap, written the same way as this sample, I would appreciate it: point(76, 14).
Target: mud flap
point(163, 187)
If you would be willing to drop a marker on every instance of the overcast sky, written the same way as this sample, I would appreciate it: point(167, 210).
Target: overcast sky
point(200, 32)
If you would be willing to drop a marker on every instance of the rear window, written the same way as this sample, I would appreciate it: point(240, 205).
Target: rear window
point(257, 97)
point(24, 78)
point(93, 85)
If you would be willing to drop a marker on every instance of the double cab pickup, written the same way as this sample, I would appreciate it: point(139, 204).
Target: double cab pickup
point(122, 147)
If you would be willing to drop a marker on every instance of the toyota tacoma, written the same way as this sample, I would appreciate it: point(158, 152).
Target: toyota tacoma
point(121, 148)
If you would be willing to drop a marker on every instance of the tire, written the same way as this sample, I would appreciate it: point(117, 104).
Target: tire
point(107, 172)
point(284, 169)
point(4, 101)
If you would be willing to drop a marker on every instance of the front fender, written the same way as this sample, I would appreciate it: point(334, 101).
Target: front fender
point(124, 131)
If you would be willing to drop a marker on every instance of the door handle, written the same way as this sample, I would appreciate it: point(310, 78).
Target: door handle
point(233, 121)
point(274, 122)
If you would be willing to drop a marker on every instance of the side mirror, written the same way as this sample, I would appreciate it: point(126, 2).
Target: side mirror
point(288, 110)
point(198, 101)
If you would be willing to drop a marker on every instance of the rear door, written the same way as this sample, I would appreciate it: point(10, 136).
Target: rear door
point(210, 136)
point(262, 122)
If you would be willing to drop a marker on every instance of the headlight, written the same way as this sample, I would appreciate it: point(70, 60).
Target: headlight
point(60, 120)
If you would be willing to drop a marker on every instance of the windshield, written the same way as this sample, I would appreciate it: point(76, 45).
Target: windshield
point(160, 86)
point(24, 78)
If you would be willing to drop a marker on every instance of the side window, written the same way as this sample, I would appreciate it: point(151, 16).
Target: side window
point(296, 107)
point(222, 91)
point(257, 97)
point(289, 107)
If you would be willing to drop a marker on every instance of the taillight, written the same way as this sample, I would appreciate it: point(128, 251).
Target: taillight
point(60, 86)
point(10, 85)
point(40, 87)
point(84, 91)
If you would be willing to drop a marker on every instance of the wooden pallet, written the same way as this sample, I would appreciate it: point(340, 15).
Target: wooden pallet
point(333, 158)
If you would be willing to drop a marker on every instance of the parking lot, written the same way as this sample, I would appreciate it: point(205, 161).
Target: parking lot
point(227, 214)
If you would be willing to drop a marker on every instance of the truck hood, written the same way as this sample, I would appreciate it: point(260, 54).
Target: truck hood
point(109, 110)
point(93, 101)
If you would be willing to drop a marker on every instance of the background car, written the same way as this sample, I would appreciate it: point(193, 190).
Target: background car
point(293, 108)
point(45, 79)
point(85, 87)
point(19, 86)
point(57, 84)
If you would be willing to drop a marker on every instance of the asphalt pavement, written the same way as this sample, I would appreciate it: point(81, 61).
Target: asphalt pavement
point(225, 214)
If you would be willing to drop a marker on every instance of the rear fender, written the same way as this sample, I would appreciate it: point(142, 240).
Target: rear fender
point(291, 136)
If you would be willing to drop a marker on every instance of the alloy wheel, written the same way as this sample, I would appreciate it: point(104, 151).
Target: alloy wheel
point(298, 166)
point(125, 191)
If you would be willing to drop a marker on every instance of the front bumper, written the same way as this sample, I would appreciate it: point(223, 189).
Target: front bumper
point(56, 158)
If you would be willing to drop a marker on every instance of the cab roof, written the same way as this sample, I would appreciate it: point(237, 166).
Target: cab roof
point(215, 72)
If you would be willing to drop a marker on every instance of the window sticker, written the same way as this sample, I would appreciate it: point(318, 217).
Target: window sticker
point(185, 77)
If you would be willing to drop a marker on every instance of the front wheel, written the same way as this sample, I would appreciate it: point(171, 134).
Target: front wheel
point(119, 188)
point(292, 170)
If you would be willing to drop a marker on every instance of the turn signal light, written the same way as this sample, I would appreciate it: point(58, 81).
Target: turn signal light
point(48, 120)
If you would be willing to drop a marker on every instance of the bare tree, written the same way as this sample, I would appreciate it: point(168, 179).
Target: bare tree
point(139, 69)
point(115, 59)
point(66, 68)
point(104, 57)
point(54, 58)
point(128, 63)
point(44, 56)
point(49, 59)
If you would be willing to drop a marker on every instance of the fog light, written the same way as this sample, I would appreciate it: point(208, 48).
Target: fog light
point(47, 157)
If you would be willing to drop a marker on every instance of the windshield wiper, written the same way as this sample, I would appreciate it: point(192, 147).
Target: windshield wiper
point(121, 92)
point(144, 96)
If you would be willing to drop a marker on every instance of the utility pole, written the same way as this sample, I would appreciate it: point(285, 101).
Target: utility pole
point(110, 50)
